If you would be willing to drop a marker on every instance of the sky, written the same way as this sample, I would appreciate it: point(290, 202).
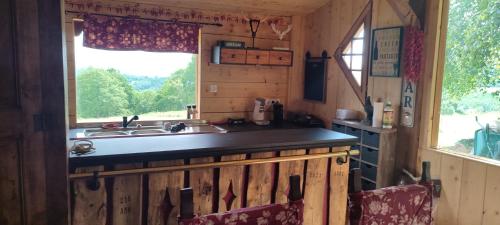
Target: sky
point(137, 63)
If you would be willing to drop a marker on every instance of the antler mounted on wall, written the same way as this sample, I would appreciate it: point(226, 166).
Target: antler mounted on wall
point(277, 25)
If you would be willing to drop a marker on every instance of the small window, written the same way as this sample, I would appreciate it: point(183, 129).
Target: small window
point(469, 120)
point(352, 55)
point(113, 84)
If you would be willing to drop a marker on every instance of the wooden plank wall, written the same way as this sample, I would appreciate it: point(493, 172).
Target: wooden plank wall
point(71, 69)
point(122, 200)
point(238, 85)
point(470, 192)
point(316, 35)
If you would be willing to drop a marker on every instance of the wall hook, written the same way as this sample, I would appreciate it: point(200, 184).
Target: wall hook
point(93, 183)
point(342, 160)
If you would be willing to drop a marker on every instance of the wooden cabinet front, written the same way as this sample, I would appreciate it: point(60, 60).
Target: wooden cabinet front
point(282, 58)
point(257, 57)
point(215, 190)
point(233, 56)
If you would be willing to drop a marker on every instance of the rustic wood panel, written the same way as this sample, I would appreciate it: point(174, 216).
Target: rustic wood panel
point(127, 197)
point(470, 189)
point(339, 178)
point(387, 158)
point(451, 177)
point(201, 180)
point(214, 105)
point(245, 74)
point(161, 184)
point(231, 184)
point(8, 95)
point(266, 6)
point(237, 82)
point(316, 189)
point(434, 158)
point(287, 169)
point(71, 71)
point(245, 90)
point(296, 77)
point(472, 194)
point(260, 181)
point(90, 207)
point(10, 197)
point(492, 196)
point(209, 40)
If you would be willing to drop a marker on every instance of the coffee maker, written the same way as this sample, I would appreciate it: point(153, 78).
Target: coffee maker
point(259, 112)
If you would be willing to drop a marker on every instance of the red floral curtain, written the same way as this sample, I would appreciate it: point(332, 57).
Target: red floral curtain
point(115, 33)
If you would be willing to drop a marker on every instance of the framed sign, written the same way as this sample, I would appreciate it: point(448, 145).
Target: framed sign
point(408, 95)
point(386, 52)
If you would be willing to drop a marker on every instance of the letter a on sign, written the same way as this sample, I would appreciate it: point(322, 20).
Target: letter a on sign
point(408, 103)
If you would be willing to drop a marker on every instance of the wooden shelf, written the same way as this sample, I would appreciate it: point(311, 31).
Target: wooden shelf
point(244, 56)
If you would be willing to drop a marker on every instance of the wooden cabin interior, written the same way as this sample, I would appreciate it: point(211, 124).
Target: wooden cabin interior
point(313, 112)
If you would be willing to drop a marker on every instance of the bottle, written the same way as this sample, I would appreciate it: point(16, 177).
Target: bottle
point(195, 112)
point(189, 112)
point(388, 115)
point(375, 51)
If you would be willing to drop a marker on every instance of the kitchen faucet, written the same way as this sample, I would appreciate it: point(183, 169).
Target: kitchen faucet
point(126, 123)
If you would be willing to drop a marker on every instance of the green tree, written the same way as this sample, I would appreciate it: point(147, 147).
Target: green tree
point(472, 48)
point(145, 102)
point(178, 90)
point(101, 93)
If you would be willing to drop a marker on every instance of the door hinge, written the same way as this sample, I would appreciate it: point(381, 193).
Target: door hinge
point(39, 122)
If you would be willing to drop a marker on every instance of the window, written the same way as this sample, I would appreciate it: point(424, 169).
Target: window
point(469, 117)
point(352, 54)
point(112, 84)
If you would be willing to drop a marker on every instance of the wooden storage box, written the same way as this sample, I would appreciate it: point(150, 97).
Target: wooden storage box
point(228, 55)
point(224, 55)
point(378, 151)
point(280, 58)
point(257, 57)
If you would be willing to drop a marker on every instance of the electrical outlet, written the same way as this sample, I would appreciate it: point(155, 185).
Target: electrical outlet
point(212, 88)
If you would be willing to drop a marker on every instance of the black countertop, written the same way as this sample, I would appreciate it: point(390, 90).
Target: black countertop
point(249, 126)
point(140, 149)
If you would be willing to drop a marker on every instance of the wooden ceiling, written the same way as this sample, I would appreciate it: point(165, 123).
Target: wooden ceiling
point(275, 7)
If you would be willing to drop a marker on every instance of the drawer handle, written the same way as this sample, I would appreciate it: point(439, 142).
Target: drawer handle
point(257, 57)
point(233, 56)
point(280, 58)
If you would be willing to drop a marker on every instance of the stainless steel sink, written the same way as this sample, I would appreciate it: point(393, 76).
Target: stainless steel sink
point(148, 131)
point(106, 133)
point(92, 133)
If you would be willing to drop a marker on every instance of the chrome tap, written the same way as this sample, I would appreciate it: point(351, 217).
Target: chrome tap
point(126, 123)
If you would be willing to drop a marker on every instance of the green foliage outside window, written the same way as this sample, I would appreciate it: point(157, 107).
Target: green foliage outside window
point(105, 93)
point(472, 52)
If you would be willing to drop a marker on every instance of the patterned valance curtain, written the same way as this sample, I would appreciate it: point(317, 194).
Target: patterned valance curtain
point(116, 33)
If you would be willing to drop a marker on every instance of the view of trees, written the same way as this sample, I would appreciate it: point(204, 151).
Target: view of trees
point(106, 92)
point(471, 84)
point(472, 56)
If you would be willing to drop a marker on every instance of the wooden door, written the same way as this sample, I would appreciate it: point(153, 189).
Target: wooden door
point(32, 114)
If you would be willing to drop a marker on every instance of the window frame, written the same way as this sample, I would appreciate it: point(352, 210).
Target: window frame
point(71, 90)
point(364, 19)
point(436, 29)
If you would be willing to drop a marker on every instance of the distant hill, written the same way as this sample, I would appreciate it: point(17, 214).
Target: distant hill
point(143, 83)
